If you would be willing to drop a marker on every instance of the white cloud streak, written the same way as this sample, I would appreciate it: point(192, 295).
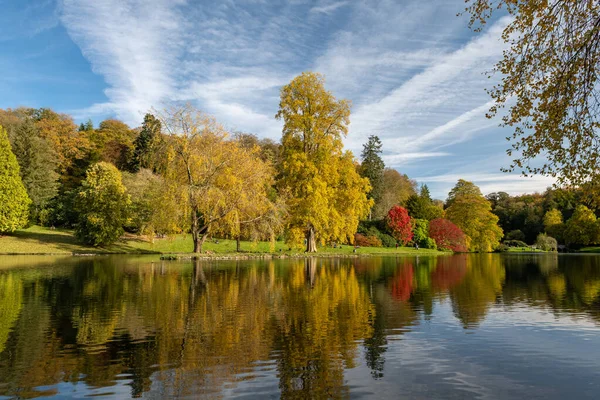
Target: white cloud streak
point(412, 70)
point(328, 8)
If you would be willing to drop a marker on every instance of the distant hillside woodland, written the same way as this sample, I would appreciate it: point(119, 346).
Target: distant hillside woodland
point(181, 172)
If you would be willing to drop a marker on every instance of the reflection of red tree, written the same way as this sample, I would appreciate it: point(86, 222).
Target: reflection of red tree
point(402, 285)
point(449, 272)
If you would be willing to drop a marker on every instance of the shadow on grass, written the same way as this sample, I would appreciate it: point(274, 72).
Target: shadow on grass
point(66, 241)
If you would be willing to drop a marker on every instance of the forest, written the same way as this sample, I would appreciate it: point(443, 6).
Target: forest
point(183, 172)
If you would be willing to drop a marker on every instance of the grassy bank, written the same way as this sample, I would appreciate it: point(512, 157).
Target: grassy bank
point(40, 240)
point(591, 249)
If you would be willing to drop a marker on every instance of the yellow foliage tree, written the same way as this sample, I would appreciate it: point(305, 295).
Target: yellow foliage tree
point(327, 197)
point(218, 175)
point(472, 213)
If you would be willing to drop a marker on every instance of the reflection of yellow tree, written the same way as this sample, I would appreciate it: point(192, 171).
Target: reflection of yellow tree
point(11, 296)
point(479, 289)
point(321, 313)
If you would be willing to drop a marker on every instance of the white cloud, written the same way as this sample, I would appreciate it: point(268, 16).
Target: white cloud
point(328, 8)
point(489, 182)
point(412, 70)
point(134, 45)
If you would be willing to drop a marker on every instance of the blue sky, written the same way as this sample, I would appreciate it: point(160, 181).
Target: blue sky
point(412, 69)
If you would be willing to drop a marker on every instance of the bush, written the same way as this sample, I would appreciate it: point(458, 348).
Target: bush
point(365, 226)
point(514, 243)
point(429, 243)
point(546, 243)
point(447, 236)
point(387, 240)
point(366, 241)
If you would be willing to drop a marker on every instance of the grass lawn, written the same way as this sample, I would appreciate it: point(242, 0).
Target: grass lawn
point(523, 250)
point(41, 240)
point(591, 249)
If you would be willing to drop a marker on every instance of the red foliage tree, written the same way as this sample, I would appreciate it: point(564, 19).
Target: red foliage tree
point(398, 222)
point(447, 235)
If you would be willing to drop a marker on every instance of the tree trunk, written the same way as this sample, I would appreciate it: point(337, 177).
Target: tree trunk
point(196, 232)
point(201, 240)
point(238, 245)
point(311, 242)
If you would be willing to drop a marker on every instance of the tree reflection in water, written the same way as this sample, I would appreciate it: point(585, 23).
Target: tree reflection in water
point(192, 329)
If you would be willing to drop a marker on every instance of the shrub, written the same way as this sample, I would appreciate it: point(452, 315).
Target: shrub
point(366, 241)
point(399, 224)
point(546, 243)
point(514, 243)
point(420, 230)
point(516, 234)
point(429, 243)
point(447, 236)
point(387, 240)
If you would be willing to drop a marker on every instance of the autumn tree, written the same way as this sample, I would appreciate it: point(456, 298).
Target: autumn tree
point(582, 228)
point(218, 176)
point(114, 142)
point(14, 202)
point(68, 142)
point(38, 163)
point(372, 167)
point(553, 224)
point(327, 197)
point(398, 223)
point(447, 236)
point(102, 205)
point(397, 189)
point(472, 213)
point(155, 204)
point(549, 75)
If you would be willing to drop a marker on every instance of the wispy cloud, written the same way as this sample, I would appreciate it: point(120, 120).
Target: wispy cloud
point(490, 182)
point(412, 70)
point(328, 8)
point(134, 45)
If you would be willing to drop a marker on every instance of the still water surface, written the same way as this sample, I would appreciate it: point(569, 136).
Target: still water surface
point(465, 326)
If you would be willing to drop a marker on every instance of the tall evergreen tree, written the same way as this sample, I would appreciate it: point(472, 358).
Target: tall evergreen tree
point(14, 202)
point(38, 163)
point(372, 167)
point(143, 144)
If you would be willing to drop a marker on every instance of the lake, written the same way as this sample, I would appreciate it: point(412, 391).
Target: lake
point(465, 326)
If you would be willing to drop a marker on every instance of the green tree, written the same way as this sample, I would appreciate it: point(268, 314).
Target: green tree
point(38, 164)
point(145, 143)
point(156, 204)
point(422, 207)
point(327, 197)
point(581, 228)
point(420, 229)
point(472, 213)
point(14, 202)
point(102, 204)
point(549, 77)
point(372, 167)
